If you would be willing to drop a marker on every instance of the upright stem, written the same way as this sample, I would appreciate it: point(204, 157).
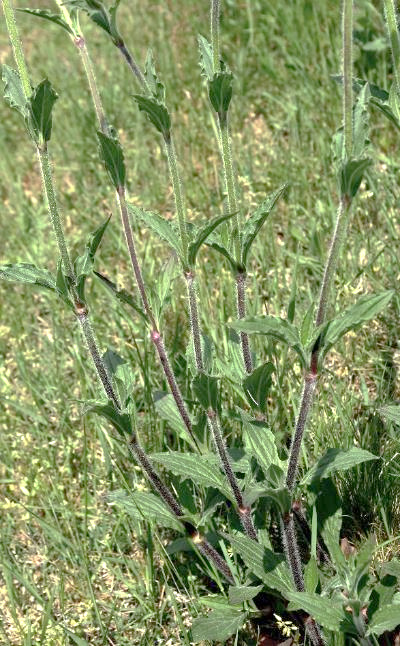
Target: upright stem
point(347, 29)
point(45, 167)
point(394, 37)
point(177, 189)
point(230, 181)
point(215, 13)
point(134, 67)
point(17, 47)
point(241, 311)
point(194, 320)
point(243, 511)
point(80, 43)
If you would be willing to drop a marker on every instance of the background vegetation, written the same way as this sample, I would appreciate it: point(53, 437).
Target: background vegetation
point(73, 567)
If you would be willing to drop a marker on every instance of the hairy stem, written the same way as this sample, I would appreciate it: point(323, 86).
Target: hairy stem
point(215, 15)
point(194, 320)
point(244, 512)
point(394, 38)
point(241, 311)
point(49, 191)
point(347, 32)
point(17, 47)
point(134, 67)
point(80, 44)
point(178, 195)
point(166, 494)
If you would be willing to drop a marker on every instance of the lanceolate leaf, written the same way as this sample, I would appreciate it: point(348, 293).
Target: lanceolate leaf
point(219, 625)
point(351, 175)
point(280, 497)
point(51, 17)
point(162, 227)
point(156, 112)
point(205, 388)
point(257, 219)
point(23, 272)
point(241, 593)
point(113, 158)
point(145, 506)
point(215, 243)
point(386, 618)
point(367, 308)
point(391, 412)
point(206, 57)
point(41, 106)
point(120, 421)
point(257, 385)
point(84, 264)
point(13, 90)
point(201, 469)
point(121, 295)
point(260, 443)
point(337, 460)
point(202, 235)
point(269, 567)
point(272, 326)
point(157, 89)
point(220, 92)
point(103, 17)
point(328, 613)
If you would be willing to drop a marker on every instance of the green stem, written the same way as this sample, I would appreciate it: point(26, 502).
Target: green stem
point(178, 195)
point(347, 27)
point(394, 37)
point(333, 257)
point(194, 320)
point(215, 13)
point(230, 183)
point(80, 43)
point(17, 47)
point(52, 205)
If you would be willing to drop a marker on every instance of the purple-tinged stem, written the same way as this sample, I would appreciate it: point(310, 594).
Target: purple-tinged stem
point(244, 512)
point(194, 320)
point(241, 311)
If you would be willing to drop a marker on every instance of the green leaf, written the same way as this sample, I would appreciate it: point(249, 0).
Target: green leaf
point(391, 412)
point(257, 385)
point(241, 593)
point(23, 272)
point(256, 220)
point(167, 409)
point(220, 92)
point(41, 105)
point(13, 90)
point(206, 57)
point(218, 625)
point(279, 496)
point(273, 326)
point(215, 243)
point(329, 613)
point(112, 360)
point(203, 469)
point(113, 158)
point(351, 175)
point(366, 309)
point(63, 284)
point(205, 388)
point(156, 112)
point(122, 295)
point(215, 601)
point(103, 17)
point(202, 235)
point(156, 88)
point(337, 460)
point(269, 567)
point(51, 17)
point(120, 421)
point(360, 121)
point(162, 227)
point(207, 353)
point(84, 264)
point(311, 575)
point(385, 619)
point(260, 443)
point(145, 506)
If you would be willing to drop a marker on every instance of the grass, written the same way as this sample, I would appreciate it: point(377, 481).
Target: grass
point(73, 568)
